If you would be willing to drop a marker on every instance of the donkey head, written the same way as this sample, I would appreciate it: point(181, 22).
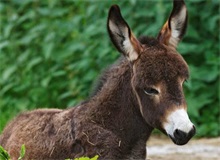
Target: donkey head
point(158, 72)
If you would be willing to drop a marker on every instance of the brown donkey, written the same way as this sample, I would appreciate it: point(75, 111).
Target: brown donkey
point(141, 92)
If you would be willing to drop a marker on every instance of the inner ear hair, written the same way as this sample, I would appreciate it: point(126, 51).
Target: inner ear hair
point(121, 35)
point(175, 27)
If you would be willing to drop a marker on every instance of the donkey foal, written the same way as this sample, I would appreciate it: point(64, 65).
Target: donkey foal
point(142, 91)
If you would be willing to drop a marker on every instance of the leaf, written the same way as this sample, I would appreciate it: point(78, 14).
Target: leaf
point(34, 62)
point(6, 88)
point(8, 72)
point(45, 82)
point(4, 154)
point(205, 73)
point(59, 73)
point(95, 158)
point(3, 44)
point(48, 50)
point(87, 158)
point(22, 152)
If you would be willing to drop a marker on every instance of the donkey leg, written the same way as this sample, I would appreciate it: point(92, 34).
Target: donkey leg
point(139, 151)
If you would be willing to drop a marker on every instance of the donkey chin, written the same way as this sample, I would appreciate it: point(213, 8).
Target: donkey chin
point(179, 127)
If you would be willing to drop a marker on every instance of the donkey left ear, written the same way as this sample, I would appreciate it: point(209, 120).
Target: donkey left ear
point(175, 27)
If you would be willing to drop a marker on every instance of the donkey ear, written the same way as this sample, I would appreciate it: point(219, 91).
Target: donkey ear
point(175, 27)
point(121, 35)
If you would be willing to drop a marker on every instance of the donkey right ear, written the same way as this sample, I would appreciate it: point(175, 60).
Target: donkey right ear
point(175, 27)
point(121, 35)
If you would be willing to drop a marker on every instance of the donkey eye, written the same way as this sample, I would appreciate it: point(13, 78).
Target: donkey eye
point(185, 81)
point(151, 91)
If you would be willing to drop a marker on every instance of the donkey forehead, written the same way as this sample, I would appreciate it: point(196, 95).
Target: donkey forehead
point(159, 63)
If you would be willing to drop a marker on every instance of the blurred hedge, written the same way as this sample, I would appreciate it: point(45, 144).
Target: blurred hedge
point(52, 51)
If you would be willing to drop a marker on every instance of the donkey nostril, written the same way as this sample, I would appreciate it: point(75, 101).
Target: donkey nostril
point(179, 134)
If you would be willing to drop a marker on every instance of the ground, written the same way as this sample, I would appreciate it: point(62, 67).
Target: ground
point(162, 148)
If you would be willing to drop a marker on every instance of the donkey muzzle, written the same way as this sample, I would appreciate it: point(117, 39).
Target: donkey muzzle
point(178, 127)
point(180, 137)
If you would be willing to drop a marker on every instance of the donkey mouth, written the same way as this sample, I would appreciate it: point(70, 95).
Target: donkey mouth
point(180, 138)
point(178, 141)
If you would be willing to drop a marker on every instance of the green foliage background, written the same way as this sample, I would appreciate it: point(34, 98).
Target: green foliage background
point(51, 52)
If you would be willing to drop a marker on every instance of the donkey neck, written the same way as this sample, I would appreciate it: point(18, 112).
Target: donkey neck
point(115, 106)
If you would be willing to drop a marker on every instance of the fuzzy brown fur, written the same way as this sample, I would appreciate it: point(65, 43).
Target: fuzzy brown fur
point(111, 123)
